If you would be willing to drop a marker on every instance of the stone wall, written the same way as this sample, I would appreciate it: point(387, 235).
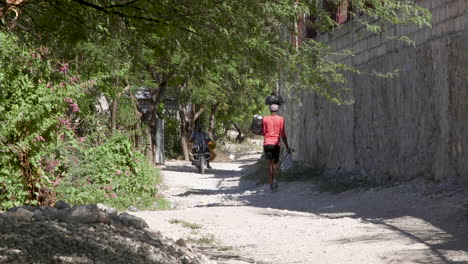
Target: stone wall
point(415, 125)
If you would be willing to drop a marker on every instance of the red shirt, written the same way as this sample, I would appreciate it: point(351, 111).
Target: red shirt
point(273, 130)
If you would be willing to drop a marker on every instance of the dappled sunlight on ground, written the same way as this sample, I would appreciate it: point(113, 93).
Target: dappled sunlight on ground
point(300, 223)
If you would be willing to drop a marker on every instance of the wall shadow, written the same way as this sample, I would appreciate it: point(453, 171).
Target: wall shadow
point(384, 206)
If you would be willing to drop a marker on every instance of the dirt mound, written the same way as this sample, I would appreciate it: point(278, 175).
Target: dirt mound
point(36, 235)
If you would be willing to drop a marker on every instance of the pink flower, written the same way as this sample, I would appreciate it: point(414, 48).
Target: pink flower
point(62, 84)
point(113, 195)
point(49, 85)
point(65, 122)
point(51, 166)
point(118, 172)
point(63, 68)
point(75, 107)
point(82, 139)
point(56, 182)
point(40, 138)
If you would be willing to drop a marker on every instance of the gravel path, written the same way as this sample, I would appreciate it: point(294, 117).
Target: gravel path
point(233, 221)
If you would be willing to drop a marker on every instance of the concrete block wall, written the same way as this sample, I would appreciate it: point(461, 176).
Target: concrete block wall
point(415, 125)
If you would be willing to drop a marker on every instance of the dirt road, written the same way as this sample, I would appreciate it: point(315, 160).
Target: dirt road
point(238, 222)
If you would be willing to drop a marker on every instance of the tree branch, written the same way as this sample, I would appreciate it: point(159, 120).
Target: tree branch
point(198, 114)
point(148, 19)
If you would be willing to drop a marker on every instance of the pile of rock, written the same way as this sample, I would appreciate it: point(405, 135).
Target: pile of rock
point(85, 234)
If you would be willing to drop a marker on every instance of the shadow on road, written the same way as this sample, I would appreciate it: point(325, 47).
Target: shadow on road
point(445, 226)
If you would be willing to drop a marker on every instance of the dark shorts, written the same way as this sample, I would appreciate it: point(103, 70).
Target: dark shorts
point(272, 152)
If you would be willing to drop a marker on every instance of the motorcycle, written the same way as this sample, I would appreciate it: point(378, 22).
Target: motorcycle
point(200, 155)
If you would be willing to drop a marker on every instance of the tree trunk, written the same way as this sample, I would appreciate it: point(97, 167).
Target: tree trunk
point(114, 116)
point(114, 107)
point(138, 139)
point(184, 130)
point(184, 144)
point(211, 130)
point(239, 137)
point(188, 116)
point(138, 114)
point(149, 145)
point(149, 119)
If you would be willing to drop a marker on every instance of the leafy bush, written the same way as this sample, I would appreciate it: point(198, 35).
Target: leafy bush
point(111, 173)
point(172, 138)
point(37, 104)
point(46, 150)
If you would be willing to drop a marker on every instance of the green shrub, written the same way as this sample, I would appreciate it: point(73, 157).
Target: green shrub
point(41, 155)
point(172, 138)
point(38, 103)
point(111, 173)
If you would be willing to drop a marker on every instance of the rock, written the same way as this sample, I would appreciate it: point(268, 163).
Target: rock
point(38, 215)
point(104, 218)
point(49, 212)
point(83, 214)
point(75, 236)
point(181, 242)
point(8, 219)
point(112, 211)
point(131, 208)
point(186, 260)
point(14, 209)
point(106, 209)
point(131, 220)
point(101, 207)
point(116, 220)
point(22, 215)
point(60, 205)
point(138, 223)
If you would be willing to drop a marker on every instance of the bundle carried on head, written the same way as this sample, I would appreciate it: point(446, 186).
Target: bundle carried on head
point(274, 98)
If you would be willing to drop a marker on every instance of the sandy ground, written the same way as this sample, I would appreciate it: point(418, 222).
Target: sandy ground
point(413, 222)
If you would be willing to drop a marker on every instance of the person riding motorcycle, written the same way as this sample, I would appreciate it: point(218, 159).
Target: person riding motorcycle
point(199, 137)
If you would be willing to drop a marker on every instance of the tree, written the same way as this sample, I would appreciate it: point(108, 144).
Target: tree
point(202, 45)
point(208, 32)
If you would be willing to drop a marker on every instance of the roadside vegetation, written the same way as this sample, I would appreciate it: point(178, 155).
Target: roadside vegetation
point(185, 224)
point(72, 122)
point(55, 146)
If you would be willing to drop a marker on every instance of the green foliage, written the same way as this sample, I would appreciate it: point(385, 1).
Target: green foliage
point(37, 107)
point(212, 44)
point(206, 240)
point(185, 224)
point(42, 155)
point(111, 173)
point(127, 117)
point(171, 138)
point(228, 54)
